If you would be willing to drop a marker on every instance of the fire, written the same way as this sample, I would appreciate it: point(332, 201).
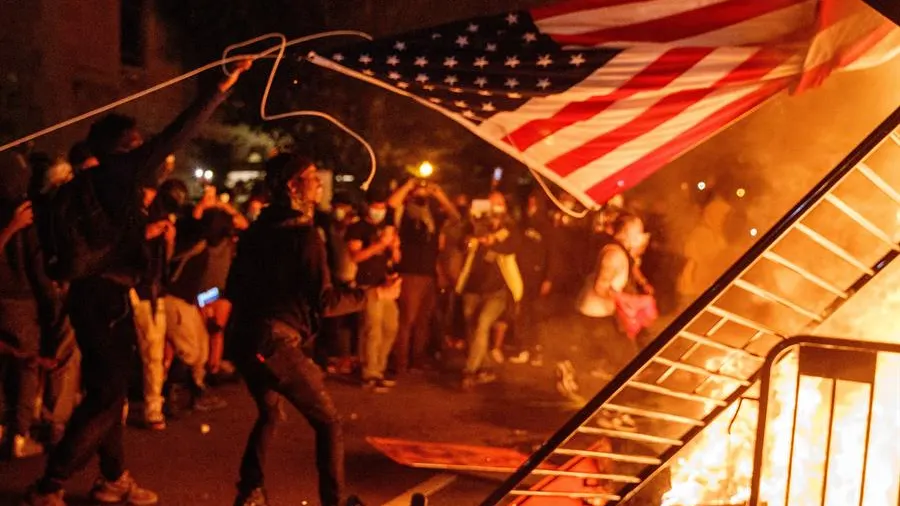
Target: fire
point(717, 467)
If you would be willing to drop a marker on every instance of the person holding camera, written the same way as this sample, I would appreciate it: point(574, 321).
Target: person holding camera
point(421, 209)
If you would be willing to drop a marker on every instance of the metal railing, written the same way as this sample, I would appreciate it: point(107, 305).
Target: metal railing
point(840, 365)
point(709, 325)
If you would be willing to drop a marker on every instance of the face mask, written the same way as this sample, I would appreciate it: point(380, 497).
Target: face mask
point(498, 210)
point(340, 214)
point(377, 215)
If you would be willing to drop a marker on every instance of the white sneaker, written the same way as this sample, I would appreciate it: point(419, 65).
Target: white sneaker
point(521, 358)
point(497, 355)
point(565, 380)
point(122, 490)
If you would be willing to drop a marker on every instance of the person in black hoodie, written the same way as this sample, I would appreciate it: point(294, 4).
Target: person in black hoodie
point(538, 263)
point(281, 288)
point(100, 305)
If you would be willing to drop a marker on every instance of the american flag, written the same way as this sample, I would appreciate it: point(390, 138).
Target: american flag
point(596, 95)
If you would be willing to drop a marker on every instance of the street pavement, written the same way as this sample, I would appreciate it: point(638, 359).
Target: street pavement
point(191, 466)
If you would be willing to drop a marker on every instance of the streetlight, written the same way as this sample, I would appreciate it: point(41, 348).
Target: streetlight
point(426, 169)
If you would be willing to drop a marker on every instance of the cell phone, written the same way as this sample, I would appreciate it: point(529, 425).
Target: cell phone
point(208, 297)
point(498, 174)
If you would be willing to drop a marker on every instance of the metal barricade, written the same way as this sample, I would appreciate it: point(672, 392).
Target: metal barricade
point(827, 428)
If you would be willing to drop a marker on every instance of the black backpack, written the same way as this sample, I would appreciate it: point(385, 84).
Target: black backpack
point(76, 233)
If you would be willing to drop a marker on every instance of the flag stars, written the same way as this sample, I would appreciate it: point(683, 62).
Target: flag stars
point(429, 87)
point(451, 80)
point(435, 100)
point(512, 62)
point(545, 61)
point(485, 93)
point(436, 36)
point(529, 37)
point(400, 45)
point(456, 90)
point(394, 75)
point(461, 104)
point(422, 78)
point(577, 60)
point(421, 61)
point(543, 83)
point(512, 82)
point(451, 62)
point(402, 85)
point(512, 18)
point(481, 82)
point(468, 114)
point(490, 47)
point(338, 57)
point(393, 60)
point(472, 28)
point(365, 59)
point(488, 106)
point(462, 41)
point(368, 72)
point(481, 62)
point(514, 95)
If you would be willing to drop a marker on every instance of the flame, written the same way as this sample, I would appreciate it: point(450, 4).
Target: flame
point(717, 467)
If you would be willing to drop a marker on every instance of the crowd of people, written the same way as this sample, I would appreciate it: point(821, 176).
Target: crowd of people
point(279, 293)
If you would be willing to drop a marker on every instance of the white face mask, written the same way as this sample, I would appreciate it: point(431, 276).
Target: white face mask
point(377, 215)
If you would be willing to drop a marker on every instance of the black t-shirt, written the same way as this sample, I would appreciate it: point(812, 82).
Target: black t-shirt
point(486, 276)
point(419, 244)
point(373, 271)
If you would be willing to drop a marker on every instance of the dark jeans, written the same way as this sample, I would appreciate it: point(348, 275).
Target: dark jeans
point(288, 373)
point(338, 337)
point(63, 383)
point(101, 315)
point(417, 302)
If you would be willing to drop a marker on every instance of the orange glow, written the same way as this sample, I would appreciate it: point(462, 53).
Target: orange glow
point(717, 467)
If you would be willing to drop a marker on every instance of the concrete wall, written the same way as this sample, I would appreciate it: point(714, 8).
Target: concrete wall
point(62, 58)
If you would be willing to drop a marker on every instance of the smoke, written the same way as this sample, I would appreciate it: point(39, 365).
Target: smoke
point(762, 165)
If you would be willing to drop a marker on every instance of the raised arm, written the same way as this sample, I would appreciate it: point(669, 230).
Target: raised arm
point(444, 201)
point(148, 159)
point(397, 198)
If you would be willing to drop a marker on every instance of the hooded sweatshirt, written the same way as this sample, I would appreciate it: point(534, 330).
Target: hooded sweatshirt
point(280, 278)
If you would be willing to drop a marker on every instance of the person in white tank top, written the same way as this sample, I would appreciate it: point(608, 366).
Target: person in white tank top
point(612, 271)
